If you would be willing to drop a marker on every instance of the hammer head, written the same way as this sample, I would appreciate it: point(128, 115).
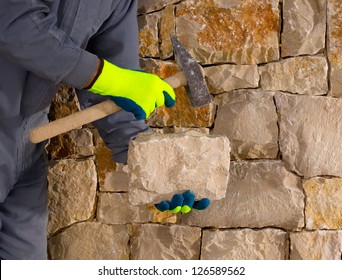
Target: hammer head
point(196, 87)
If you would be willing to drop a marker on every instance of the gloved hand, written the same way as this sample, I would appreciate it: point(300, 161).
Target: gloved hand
point(183, 203)
point(134, 91)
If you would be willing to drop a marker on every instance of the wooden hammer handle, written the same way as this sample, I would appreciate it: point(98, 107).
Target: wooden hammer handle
point(88, 115)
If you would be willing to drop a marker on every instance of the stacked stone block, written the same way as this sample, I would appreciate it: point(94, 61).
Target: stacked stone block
point(274, 69)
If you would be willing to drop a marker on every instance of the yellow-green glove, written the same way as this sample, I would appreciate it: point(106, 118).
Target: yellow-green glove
point(134, 91)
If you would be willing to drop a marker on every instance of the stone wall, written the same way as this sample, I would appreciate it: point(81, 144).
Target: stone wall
point(275, 71)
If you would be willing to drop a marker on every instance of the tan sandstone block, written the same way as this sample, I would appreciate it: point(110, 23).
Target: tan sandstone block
point(222, 78)
point(160, 242)
point(244, 244)
point(301, 75)
point(309, 129)
point(323, 208)
point(71, 196)
point(90, 241)
point(335, 46)
point(242, 32)
point(249, 119)
point(259, 194)
point(164, 164)
point(115, 209)
point(304, 27)
point(316, 245)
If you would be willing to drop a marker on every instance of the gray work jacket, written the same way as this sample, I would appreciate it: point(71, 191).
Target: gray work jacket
point(44, 43)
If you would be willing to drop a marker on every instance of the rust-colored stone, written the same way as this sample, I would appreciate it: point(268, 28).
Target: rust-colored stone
point(182, 114)
point(245, 33)
point(64, 103)
point(148, 35)
point(104, 162)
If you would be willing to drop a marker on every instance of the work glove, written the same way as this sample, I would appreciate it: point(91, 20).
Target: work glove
point(134, 91)
point(183, 203)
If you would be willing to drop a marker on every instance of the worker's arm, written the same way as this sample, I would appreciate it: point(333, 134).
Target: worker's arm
point(30, 37)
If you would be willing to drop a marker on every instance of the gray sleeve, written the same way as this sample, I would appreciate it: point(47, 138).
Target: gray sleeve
point(117, 41)
point(29, 37)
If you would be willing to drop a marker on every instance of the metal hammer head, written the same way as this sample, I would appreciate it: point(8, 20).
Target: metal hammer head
point(197, 88)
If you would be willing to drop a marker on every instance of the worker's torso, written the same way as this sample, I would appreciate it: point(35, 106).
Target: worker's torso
point(25, 98)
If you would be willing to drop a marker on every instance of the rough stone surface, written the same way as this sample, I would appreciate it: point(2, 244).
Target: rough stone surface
point(242, 32)
point(167, 27)
point(162, 165)
point(323, 213)
point(73, 144)
point(81, 242)
point(148, 35)
point(304, 27)
point(335, 46)
point(309, 127)
point(316, 245)
point(182, 114)
point(159, 242)
point(249, 119)
point(71, 196)
point(301, 75)
point(112, 176)
point(284, 192)
point(115, 209)
point(259, 194)
point(147, 6)
point(244, 244)
point(64, 103)
point(224, 78)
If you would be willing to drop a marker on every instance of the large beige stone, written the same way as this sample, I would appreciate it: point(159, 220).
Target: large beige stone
point(72, 192)
point(323, 209)
point(301, 75)
point(159, 242)
point(309, 131)
point(316, 245)
point(242, 32)
point(182, 114)
point(249, 119)
point(335, 46)
point(90, 241)
point(164, 164)
point(147, 6)
point(304, 27)
point(259, 194)
point(222, 78)
point(244, 244)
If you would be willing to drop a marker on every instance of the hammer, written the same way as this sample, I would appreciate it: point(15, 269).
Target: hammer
point(191, 76)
